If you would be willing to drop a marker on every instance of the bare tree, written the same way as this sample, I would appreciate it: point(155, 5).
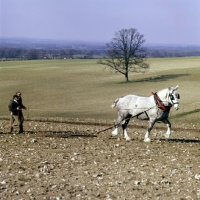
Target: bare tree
point(125, 53)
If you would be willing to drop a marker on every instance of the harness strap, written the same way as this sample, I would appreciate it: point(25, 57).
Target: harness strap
point(145, 112)
point(159, 103)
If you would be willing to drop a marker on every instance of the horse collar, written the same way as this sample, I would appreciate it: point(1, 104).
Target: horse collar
point(159, 103)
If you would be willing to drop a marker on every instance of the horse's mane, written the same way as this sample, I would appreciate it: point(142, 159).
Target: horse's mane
point(163, 94)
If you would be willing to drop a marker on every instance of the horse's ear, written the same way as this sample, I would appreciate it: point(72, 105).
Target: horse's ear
point(176, 87)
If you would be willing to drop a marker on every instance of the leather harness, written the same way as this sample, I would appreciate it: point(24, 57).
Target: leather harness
point(159, 103)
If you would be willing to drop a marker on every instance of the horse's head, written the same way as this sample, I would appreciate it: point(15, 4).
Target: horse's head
point(174, 97)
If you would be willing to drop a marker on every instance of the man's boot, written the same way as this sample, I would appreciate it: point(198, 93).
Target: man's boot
point(21, 129)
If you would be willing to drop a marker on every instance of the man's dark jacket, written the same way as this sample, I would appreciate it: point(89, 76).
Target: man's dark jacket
point(20, 103)
point(14, 106)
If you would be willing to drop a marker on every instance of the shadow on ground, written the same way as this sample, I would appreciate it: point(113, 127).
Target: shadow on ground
point(161, 78)
point(178, 140)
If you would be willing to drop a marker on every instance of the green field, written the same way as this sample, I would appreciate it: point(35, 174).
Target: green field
point(84, 89)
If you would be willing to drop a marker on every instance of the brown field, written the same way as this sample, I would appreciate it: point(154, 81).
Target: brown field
point(66, 159)
point(60, 156)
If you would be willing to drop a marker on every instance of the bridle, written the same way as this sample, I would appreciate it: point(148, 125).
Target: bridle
point(173, 99)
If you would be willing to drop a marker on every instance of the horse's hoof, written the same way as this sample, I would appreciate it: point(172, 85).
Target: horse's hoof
point(147, 140)
point(167, 136)
point(114, 134)
point(128, 139)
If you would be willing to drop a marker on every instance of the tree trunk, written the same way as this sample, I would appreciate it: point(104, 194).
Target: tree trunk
point(126, 73)
point(126, 76)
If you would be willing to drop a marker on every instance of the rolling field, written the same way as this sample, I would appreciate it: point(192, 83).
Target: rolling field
point(60, 156)
point(83, 89)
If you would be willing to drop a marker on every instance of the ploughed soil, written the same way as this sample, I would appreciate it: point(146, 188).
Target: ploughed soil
point(66, 159)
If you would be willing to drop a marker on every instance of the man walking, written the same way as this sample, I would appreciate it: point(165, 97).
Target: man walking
point(21, 106)
point(19, 94)
point(17, 113)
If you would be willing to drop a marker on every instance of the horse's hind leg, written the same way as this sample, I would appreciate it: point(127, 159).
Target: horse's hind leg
point(168, 133)
point(124, 126)
point(121, 117)
point(117, 122)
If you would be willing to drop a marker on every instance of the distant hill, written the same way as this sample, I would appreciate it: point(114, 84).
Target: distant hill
point(29, 43)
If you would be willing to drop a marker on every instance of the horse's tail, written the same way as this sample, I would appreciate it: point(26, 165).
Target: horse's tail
point(114, 103)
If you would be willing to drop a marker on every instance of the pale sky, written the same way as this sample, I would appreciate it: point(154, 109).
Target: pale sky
point(160, 21)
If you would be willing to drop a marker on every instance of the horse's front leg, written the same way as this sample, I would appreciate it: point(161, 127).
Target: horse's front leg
point(146, 137)
point(168, 133)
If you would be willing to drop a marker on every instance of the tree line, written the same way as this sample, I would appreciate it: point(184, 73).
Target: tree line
point(180, 52)
point(33, 54)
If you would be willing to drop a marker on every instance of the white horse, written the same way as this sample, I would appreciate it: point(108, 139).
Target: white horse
point(154, 108)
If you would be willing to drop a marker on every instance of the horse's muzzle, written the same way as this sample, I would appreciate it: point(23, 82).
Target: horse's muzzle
point(176, 106)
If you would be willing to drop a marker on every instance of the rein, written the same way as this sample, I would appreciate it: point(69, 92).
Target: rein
point(159, 103)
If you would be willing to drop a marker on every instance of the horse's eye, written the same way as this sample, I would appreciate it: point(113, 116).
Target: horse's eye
point(177, 95)
point(171, 97)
